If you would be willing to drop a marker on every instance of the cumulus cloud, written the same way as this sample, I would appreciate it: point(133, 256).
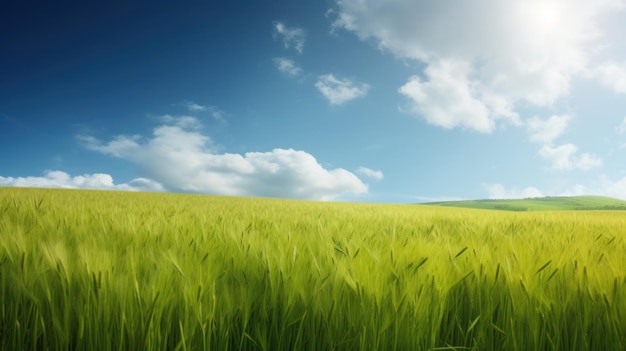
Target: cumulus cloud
point(565, 158)
point(370, 173)
point(499, 191)
point(287, 66)
point(183, 159)
point(338, 91)
point(448, 99)
point(488, 55)
point(60, 179)
point(546, 131)
point(291, 36)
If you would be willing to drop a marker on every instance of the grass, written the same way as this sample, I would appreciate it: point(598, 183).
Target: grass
point(118, 271)
point(555, 203)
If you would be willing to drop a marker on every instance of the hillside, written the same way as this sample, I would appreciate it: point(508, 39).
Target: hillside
point(556, 203)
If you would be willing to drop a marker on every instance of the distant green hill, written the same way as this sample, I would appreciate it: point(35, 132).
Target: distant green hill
point(542, 203)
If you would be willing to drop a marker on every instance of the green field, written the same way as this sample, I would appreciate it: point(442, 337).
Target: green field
point(98, 270)
point(554, 203)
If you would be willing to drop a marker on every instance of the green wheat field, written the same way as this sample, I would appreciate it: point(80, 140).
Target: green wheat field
point(102, 270)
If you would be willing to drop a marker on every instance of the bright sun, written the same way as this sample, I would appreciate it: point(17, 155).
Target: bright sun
point(541, 14)
point(546, 14)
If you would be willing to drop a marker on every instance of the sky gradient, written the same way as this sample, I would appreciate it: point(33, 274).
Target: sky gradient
point(356, 100)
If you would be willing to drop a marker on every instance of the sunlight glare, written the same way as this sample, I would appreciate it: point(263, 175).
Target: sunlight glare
point(546, 14)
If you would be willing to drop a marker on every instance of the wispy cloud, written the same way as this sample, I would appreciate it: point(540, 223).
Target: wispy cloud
point(338, 91)
point(60, 179)
point(613, 188)
point(546, 131)
point(183, 159)
point(370, 173)
point(612, 75)
point(622, 127)
point(565, 158)
point(193, 107)
point(291, 36)
point(499, 191)
point(287, 66)
point(181, 121)
point(603, 186)
point(217, 114)
point(214, 111)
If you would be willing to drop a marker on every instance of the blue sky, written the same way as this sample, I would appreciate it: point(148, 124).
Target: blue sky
point(376, 101)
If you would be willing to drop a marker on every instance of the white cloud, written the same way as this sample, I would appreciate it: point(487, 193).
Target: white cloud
point(193, 107)
point(604, 186)
point(587, 161)
point(145, 184)
point(338, 91)
point(564, 158)
point(287, 66)
point(60, 179)
point(121, 146)
point(545, 131)
point(370, 173)
point(612, 74)
point(448, 99)
point(498, 191)
point(185, 160)
point(215, 112)
point(560, 156)
point(576, 190)
point(181, 121)
point(490, 54)
point(612, 188)
point(291, 36)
